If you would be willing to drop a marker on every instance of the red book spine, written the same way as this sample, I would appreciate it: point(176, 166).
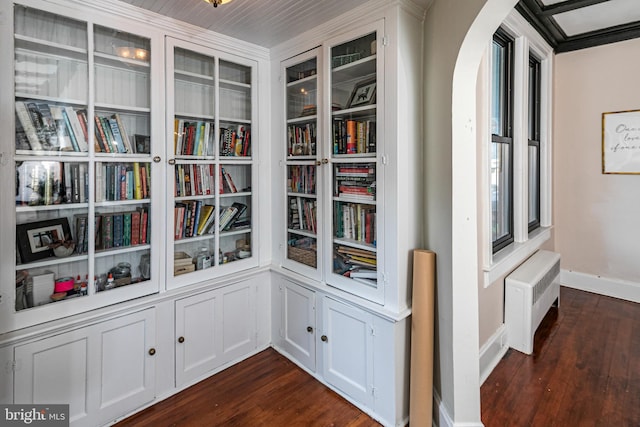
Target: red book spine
point(135, 228)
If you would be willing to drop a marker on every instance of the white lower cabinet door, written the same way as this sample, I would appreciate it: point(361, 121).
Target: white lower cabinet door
point(347, 340)
point(238, 320)
point(214, 328)
point(55, 370)
point(126, 351)
point(103, 371)
point(198, 332)
point(298, 323)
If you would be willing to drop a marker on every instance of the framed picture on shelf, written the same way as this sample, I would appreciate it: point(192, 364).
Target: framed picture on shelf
point(621, 142)
point(364, 93)
point(34, 238)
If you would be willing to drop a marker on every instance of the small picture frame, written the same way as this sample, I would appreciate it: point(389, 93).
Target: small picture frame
point(33, 239)
point(364, 93)
point(621, 142)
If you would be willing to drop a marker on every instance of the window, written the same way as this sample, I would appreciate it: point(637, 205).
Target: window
point(501, 153)
point(533, 152)
point(516, 147)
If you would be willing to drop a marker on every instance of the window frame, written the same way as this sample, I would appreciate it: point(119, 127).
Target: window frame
point(533, 140)
point(496, 265)
point(506, 42)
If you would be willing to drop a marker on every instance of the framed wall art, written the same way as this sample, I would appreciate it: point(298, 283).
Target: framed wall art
point(621, 142)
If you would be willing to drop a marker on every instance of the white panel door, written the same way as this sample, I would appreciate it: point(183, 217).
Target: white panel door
point(299, 323)
point(347, 341)
point(238, 320)
point(198, 336)
point(127, 371)
point(55, 370)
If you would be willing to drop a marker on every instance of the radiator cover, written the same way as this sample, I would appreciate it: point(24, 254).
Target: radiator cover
point(530, 290)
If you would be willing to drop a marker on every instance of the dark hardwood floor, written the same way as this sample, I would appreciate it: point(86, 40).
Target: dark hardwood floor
point(584, 371)
point(264, 390)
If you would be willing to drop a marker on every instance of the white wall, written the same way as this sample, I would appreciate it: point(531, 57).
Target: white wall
point(597, 216)
point(455, 38)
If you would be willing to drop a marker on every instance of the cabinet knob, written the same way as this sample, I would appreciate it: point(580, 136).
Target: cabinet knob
point(171, 161)
point(309, 329)
point(156, 159)
point(181, 340)
point(325, 161)
point(318, 162)
point(152, 351)
point(324, 338)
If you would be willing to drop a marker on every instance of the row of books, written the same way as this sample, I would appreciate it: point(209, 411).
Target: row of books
point(354, 136)
point(193, 218)
point(235, 141)
point(122, 181)
point(51, 183)
point(193, 138)
point(301, 139)
point(303, 214)
point(302, 179)
point(113, 230)
point(194, 180)
point(53, 127)
point(196, 218)
point(355, 221)
point(49, 127)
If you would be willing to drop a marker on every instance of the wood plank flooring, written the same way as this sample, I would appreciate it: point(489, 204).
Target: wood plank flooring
point(584, 370)
point(264, 390)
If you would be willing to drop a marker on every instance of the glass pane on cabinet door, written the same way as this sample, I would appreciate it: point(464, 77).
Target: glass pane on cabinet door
point(235, 218)
point(51, 231)
point(195, 174)
point(302, 149)
point(51, 82)
point(122, 237)
point(353, 150)
point(122, 92)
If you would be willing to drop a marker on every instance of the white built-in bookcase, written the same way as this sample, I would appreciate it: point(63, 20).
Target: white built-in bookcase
point(90, 148)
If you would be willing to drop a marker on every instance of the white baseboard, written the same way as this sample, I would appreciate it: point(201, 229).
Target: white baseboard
point(492, 352)
point(617, 288)
point(443, 419)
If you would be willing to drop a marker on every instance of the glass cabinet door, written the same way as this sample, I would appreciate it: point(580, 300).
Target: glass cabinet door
point(123, 167)
point(302, 164)
point(82, 187)
point(211, 162)
point(354, 167)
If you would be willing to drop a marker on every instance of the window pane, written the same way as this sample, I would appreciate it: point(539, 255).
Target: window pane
point(498, 89)
point(500, 190)
point(534, 184)
point(534, 100)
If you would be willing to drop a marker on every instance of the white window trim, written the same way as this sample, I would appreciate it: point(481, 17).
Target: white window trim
point(526, 40)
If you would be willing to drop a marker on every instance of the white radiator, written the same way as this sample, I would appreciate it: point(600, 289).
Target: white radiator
point(530, 290)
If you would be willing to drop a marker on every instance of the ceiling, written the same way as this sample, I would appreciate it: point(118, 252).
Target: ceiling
point(566, 24)
point(577, 24)
point(266, 23)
